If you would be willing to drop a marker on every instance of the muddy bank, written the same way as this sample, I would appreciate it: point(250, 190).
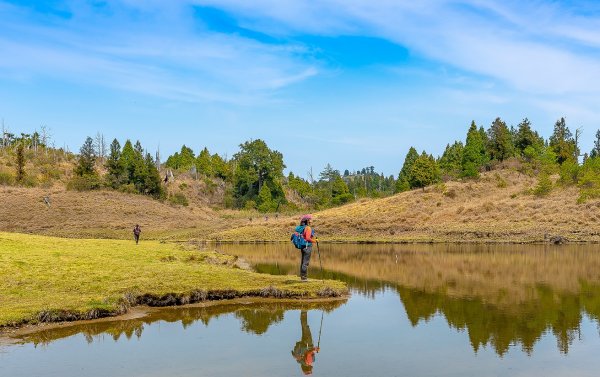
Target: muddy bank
point(134, 302)
point(149, 314)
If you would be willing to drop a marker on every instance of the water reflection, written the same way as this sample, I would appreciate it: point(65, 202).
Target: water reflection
point(255, 318)
point(501, 295)
point(304, 351)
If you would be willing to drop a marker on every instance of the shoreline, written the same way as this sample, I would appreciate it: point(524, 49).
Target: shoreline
point(50, 279)
point(10, 335)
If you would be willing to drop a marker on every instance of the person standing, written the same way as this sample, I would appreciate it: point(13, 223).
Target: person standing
point(136, 233)
point(309, 235)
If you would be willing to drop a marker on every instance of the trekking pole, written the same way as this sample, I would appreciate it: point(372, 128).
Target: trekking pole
point(320, 328)
point(321, 264)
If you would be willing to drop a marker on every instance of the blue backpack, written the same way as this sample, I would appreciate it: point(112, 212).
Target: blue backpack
point(298, 239)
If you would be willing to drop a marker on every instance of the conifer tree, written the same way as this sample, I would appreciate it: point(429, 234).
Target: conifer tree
point(500, 143)
point(221, 168)
point(87, 159)
point(152, 181)
point(403, 182)
point(115, 175)
point(562, 142)
point(474, 154)
point(265, 199)
point(127, 159)
point(451, 160)
point(340, 194)
point(20, 163)
point(183, 161)
point(526, 137)
point(204, 163)
point(424, 172)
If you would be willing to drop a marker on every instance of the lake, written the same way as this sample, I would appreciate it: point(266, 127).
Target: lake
point(415, 310)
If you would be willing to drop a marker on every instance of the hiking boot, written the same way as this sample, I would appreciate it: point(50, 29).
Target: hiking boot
point(304, 280)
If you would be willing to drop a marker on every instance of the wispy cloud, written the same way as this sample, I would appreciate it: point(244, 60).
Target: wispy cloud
point(186, 63)
point(536, 46)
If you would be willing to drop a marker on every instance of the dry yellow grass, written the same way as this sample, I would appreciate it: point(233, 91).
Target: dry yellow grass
point(496, 208)
point(99, 214)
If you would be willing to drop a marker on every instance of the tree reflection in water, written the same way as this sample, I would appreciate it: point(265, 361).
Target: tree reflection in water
point(255, 318)
point(500, 294)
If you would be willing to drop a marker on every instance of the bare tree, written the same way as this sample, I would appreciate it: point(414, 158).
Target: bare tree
point(45, 136)
point(100, 146)
point(157, 159)
point(311, 178)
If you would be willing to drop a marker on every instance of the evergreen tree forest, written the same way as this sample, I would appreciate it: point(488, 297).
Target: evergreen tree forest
point(254, 178)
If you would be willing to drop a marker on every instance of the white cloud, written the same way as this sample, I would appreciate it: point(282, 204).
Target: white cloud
point(534, 47)
point(185, 63)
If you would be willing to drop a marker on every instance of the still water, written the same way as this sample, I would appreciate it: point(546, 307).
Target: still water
point(424, 310)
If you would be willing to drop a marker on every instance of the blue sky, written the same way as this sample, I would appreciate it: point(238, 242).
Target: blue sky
point(353, 83)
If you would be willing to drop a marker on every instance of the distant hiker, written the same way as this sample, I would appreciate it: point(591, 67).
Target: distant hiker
point(304, 350)
point(136, 233)
point(307, 234)
point(166, 180)
point(266, 218)
point(47, 201)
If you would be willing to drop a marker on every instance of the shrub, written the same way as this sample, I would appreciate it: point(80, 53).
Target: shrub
point(500, 182)
point(29, 181)
point(84, 183)
point(250, 204)
point(569, 172)
point(178, 199)
point(128, 189)
point(6, 179)
point(544, 185)
point(589, 180)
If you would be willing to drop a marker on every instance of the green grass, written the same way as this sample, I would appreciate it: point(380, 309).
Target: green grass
point(52, 279)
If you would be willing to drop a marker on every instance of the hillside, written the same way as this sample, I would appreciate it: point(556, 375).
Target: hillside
point(101, 214)
point(496, 208)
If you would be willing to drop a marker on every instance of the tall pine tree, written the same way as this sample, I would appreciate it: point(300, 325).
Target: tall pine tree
point(115, 175)
point(500, 143)
point(562, 142)
point(87, 159)
point(474, 154)
point(403, 182)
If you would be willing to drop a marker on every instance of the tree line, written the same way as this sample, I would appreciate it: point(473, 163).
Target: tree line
point(253, 178)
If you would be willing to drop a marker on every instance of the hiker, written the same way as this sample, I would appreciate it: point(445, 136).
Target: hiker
point(309, 235)
point(304, 350)
point(136, 233)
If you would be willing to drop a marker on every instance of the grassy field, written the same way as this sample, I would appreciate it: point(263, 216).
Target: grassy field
point(46, 279)
point(499, 207)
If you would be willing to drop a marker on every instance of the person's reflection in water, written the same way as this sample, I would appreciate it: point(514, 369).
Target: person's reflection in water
point(304, 350)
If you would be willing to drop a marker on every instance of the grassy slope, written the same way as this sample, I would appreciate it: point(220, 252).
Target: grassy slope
point(101, 214)
point(495, 208)
point(45, 278)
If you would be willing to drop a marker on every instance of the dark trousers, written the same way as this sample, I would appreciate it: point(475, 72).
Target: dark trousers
point(137, 238)
point(305, 260)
